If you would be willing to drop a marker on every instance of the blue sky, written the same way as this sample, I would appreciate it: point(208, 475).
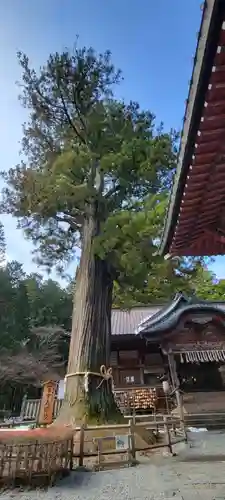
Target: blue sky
point(153, 42)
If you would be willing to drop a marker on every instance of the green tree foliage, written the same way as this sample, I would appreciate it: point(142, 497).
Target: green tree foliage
point(165, 280)
point(33, 343)
point(85, 150)
point(2, 244)
point(28, 301)
point(49, 303)
point(96, 175)
point(207, 286)
point(34, 317)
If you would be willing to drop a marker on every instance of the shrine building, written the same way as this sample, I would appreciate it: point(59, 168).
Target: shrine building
point(195, 220)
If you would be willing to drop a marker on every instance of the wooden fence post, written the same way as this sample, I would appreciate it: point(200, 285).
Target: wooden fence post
point(167, 434)
point(71, 453)
point(81, 457)
point(23, 407)
point(179, 397)
point(100, 458)
point(132, 442)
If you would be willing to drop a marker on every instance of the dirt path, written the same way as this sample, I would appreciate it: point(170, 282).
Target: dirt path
point(197, 472)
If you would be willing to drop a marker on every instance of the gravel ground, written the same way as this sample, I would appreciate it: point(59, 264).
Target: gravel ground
point(197, 472)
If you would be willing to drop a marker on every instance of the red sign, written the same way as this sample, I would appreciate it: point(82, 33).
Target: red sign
point(47, 403)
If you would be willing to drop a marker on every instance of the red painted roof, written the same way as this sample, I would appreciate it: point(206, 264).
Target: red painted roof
point(195, 223)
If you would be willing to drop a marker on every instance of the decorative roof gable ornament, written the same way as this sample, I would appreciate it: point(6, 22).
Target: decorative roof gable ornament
point(168, 317)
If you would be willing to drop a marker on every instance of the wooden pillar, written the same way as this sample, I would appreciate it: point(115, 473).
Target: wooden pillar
point(175, 386)
point(142, 380)
point(141, 368)
point(173, 371)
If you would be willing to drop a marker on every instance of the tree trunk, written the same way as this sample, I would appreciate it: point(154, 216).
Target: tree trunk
point(90, 341)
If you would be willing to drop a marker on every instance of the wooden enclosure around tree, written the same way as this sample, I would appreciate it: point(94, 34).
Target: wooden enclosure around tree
point(40, 456)
point(34, 457)
point(98, 446)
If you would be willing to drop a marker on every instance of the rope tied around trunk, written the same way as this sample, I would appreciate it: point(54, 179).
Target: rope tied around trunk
point(105, 373)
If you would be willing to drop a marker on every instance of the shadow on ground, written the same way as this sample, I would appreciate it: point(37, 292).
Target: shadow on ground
point(77, 478)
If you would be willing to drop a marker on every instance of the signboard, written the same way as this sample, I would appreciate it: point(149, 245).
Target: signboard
point(61, 389)
point(122, 442)
point(105, 444)
point(118, 443)
point(47, 403)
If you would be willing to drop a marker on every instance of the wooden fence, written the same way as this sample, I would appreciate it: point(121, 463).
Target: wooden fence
point(30, 411)
point(31, 407)
point(37, 463)
point(120, 442)
point(97, 447)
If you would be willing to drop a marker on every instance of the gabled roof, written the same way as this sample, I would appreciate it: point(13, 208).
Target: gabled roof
point(126, 322)
point(169, 316)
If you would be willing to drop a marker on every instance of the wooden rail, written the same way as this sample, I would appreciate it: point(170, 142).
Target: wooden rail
point(127, 430)
point(31, 407)
point(101, 443)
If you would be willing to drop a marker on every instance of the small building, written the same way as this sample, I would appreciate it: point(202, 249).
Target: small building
point(190, 335)
point(137, 367)
point(183, 341)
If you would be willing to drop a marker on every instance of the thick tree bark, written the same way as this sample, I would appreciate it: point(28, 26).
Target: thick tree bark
point(90, 340)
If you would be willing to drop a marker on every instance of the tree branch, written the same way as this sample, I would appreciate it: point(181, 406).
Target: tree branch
point(69, 220)
point(68, 117)
point(78, 110)
point(112, 191)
